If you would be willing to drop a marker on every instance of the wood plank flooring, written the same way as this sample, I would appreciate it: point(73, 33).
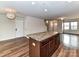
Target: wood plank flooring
point(14, 48)
point(62, 52)
point(20, 48)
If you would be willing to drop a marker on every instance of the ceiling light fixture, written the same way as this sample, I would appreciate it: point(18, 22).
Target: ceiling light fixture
point(69, 1)
point(45, 10)
point(33, 3)
point(47, 21)
point(61, 18)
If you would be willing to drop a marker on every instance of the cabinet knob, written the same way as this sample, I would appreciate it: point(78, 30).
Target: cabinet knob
point(33, 44)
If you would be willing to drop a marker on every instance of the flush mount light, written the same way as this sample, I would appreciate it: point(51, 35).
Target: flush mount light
point(69, 1)
point(45, 10)
point(33, 3)
point(47, 21)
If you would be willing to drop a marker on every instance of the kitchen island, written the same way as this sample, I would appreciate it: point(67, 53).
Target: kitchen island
point(43, 44)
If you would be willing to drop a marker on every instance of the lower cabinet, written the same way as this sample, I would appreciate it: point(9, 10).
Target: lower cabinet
point(51, 47)
point(44, 48)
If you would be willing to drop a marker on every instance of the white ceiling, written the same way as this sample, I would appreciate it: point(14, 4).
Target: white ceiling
point(55, 8)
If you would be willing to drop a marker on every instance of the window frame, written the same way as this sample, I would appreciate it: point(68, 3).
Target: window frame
point(73, 26)
point(66, 25)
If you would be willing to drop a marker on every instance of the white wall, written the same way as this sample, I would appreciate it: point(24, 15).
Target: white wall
point(6, 28)
point(30, 25)
point(33, 25)
point(19, 26)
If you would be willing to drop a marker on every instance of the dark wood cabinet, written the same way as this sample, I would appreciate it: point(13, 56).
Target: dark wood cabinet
point(51, 47)
point(44, 48)
point(34, 48)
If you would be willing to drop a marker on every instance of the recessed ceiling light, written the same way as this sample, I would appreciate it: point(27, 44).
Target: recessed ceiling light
point(47, 21)
point(33, 3)
point(69, 1)
point(45, 10)
point(62, 18)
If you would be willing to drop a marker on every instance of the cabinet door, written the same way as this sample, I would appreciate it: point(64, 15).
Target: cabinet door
point(57, 41)
point(44, 51)
point(51, 47)
point(34, 48)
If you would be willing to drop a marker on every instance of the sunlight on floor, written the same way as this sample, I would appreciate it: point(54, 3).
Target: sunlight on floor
point(70, 41)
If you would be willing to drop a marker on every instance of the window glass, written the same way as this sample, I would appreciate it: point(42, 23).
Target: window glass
point(73, 25)
point(66, 26)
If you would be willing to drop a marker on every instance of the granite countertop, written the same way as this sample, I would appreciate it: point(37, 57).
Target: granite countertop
point(42, 35)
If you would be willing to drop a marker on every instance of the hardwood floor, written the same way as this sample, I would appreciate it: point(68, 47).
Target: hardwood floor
point(20, 48)
point(62, 52)
point(14, 48)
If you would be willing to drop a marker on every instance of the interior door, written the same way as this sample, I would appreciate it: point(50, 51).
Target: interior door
point(19, 27)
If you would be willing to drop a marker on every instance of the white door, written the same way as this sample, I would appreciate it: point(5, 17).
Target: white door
point(19, 27)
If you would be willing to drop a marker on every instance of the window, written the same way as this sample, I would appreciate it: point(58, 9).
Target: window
point(66, 26)
point(73, 25)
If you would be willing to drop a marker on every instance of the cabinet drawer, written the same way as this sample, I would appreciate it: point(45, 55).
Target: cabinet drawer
point(44, 51)
point(44, 42)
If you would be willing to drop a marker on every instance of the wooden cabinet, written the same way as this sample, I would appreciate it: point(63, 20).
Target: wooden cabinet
point(51, 47)
point(34, 48)
point(44, 48)
point(57, 41)
point(44, 51)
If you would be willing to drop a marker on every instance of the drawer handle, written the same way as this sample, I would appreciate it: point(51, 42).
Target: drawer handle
point(33, 44)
